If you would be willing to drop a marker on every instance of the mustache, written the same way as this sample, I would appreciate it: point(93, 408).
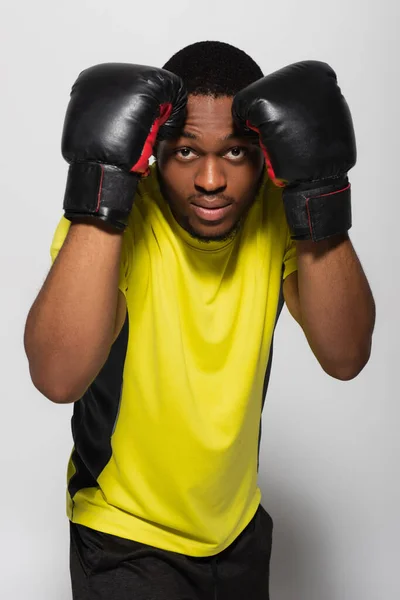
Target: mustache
point(211, 198)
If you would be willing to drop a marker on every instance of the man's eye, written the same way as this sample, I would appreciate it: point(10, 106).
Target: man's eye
point(184, 153)
point(236, 153)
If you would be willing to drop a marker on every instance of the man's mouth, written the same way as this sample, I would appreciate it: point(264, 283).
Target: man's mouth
point(211, 212)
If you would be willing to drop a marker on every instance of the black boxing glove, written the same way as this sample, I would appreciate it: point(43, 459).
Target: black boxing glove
point(306, 133)
point(112, 121)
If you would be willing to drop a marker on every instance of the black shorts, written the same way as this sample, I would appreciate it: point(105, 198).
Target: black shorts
point(106, 567)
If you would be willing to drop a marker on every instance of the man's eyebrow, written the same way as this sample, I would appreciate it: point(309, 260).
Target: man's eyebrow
point(192, 136)
point(187, 134)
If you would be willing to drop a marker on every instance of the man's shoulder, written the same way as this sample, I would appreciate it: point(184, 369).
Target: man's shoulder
point(149, 186)
point(148, 203)
point(269, 203)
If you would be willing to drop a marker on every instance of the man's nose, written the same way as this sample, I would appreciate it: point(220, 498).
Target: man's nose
point(210, 176)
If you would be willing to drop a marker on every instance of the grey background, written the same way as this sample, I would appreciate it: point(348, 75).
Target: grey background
point(330, 450)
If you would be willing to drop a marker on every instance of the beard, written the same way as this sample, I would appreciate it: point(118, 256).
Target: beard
point(223, 237)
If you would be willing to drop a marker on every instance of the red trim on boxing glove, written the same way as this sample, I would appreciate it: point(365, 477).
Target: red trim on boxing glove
point(142, 165)
point(100, 188)
point(270, 169)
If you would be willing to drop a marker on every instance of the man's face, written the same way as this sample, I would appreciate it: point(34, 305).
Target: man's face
point(211, 174)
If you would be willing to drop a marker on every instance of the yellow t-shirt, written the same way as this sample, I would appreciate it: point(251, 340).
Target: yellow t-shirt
point(166, 438)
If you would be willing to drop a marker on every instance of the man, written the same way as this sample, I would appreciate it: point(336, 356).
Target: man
point(158, 314)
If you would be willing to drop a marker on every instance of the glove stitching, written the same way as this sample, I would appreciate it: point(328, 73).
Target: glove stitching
point(100, 189)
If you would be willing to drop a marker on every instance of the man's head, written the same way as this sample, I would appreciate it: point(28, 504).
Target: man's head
point(210, 175)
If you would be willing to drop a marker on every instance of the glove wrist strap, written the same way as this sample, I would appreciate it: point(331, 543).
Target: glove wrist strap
point(318, 212)
point(100, 192)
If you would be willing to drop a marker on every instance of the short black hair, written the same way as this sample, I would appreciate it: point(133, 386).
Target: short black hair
point(214, 69)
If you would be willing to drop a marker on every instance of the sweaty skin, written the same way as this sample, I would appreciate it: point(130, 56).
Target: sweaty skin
point(210, 175)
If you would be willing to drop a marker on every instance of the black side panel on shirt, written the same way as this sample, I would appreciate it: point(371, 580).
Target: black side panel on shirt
point(95, 415)
point(268, 370)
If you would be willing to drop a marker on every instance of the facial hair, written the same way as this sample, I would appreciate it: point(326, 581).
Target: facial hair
point(183, 221)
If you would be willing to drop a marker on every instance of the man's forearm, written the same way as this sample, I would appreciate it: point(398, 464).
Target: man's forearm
point(70, 327)
point(337, 306)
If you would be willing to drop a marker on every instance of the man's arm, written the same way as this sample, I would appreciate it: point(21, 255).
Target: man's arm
point(331, 299)
point(306, 133)
point(77, 314)
point(79, 311)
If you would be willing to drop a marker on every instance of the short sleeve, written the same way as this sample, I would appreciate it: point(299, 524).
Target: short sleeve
point(59, 238)
point(126, 258)
point(290, 257)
